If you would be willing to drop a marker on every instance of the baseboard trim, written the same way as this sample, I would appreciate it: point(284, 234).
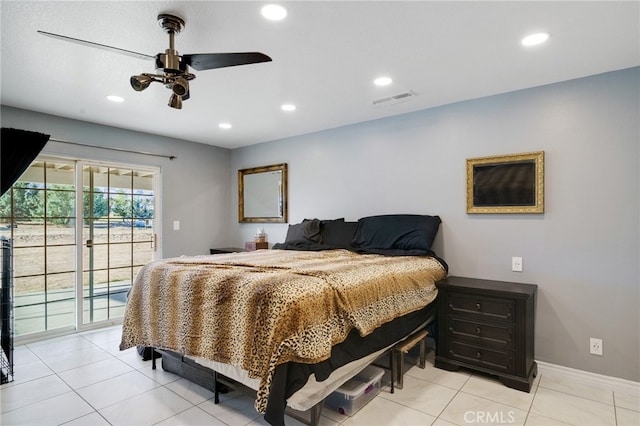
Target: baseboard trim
point(609, 382)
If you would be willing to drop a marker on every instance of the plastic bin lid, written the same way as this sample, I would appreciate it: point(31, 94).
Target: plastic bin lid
point(361, 381)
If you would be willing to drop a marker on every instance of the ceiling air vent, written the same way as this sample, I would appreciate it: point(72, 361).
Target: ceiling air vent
point(391, 100)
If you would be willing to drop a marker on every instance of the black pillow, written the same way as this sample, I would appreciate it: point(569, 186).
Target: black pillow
point(337, 233)
point(399, 232)
point(307, 230)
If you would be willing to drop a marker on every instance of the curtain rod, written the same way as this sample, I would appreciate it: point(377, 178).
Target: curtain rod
point(170, 157)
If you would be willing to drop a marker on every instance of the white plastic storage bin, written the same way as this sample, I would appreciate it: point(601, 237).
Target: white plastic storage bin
point(355, 393)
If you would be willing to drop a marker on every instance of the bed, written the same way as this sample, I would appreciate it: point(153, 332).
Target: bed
point(296, 321)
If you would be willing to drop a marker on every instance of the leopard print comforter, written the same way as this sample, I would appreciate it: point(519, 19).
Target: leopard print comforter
point(258, 309)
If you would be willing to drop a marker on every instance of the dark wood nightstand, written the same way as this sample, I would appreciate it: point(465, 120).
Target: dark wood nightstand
point(256, 245)
point(225, 250)
point(487, 326)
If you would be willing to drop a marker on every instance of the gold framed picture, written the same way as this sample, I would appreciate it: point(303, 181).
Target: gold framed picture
point(511, 183)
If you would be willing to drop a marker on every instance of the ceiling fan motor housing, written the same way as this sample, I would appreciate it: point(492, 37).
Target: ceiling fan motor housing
point(170, 62)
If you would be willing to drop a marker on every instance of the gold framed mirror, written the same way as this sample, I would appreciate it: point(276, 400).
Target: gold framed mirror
point(262, 194)
point(506, 183)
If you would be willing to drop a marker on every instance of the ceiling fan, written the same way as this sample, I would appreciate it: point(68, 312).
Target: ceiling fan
point(173, 69)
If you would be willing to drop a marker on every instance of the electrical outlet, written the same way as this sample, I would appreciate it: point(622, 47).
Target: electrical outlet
point(516, 264)
point(595, 346)
point(176, 225)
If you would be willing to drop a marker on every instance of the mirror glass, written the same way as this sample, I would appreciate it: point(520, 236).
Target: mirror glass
point(262, 194)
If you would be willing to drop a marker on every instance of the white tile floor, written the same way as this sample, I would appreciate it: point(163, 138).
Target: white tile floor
point(85, 380)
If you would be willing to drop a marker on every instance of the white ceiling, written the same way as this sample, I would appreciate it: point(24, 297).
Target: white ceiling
point(325, 57)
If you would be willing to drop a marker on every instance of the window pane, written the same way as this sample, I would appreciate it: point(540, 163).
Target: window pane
point(60, 300)
point(61, 205)
point(29, 319)
point(28, 202)
point(5, 229)
point(120, 206)
point(61, 313)
point(143, 207)
point(142, 253)
point(35, 173)
point(119, 255)
point(143, 182)
point(94, 286)
point(59, 175)
point(120, 180)
point(5, 208)
point(28, 234)
point(121, 232)
point(29, 299)
point(100, 232)
point(119, 277)
point(99, 260)
point(96, 308)
point(100, 206)
point(61, 259)
point(100, 281)
point(28, 290)
point(28, 261)
point(143, 233)
point(58, 234)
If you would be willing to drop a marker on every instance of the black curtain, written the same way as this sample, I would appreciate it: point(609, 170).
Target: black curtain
point(18, 149)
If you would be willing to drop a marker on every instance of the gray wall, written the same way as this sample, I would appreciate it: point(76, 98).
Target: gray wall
point(583, 252)
point(195, 185)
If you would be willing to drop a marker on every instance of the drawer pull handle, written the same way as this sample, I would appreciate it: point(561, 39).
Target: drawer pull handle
point(478, 306)
point(478, 355)
point(477, 330)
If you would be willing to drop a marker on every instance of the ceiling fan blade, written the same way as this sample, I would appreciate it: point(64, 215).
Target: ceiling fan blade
point(98, 45)
point(208, 61)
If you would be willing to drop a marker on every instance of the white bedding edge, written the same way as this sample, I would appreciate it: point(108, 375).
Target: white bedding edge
point(313, 391)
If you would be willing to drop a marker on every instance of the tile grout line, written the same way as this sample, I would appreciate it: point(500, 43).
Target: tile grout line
point(458, 391)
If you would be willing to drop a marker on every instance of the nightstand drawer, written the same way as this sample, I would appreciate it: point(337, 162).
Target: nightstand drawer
point(487, 333)
point(494, 359)
point(490, 307)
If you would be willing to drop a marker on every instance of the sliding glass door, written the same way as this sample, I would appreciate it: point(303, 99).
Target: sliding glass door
point(38, 214)
point(81, 232)
point(118, 236)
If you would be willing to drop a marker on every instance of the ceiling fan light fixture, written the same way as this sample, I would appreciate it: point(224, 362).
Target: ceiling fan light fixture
point(180, 86)
point(175, 101)
point(140, 82)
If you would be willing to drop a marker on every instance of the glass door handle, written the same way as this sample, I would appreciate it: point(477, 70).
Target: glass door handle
point(89, 243)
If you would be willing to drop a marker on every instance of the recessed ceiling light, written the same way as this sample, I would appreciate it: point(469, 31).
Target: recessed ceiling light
point(224, 125)
point(288, 107)
point(382, 81)
point(114, 98)
point(274, 12)
point(535, 39)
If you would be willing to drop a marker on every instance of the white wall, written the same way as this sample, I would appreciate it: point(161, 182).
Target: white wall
point(583, 252)
point(195, 186)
